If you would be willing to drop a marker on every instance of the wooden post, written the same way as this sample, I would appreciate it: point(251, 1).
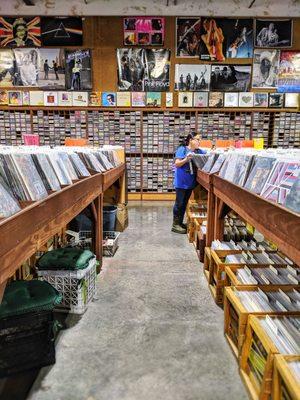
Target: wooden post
point(99, 228)
point(218, 222)
point(210, 216)
point(2, 289)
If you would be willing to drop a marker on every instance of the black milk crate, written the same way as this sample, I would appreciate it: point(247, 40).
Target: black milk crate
point(26, 342)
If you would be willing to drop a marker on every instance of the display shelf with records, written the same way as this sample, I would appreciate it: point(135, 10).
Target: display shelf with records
point(286, 130)
point(115, 127)
point(163, 131)
point(267, 336)
point(224, 125)
point(240, 302)
point(134, 173)
point(157, 174)
point(53, 127)
point(262, 126)
point(13, 124)
point(286, 377)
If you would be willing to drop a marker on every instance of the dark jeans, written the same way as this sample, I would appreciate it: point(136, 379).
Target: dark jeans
point(182, 198)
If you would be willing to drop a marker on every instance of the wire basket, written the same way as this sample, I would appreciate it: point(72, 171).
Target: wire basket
point(110, 243)
point(81, 239)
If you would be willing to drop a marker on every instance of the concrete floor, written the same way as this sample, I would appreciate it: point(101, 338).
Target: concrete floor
point(154, 332)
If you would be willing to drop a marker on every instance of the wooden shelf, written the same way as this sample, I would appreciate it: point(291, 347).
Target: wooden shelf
point(275, 222)
point(111, 176)
point(204, 179)
point(25, 232)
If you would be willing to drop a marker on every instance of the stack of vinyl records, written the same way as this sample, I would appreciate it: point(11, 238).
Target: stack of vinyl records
point(284, 333)
point(272, 174)
point(257, 258)
point(242, 245)
point(268, 276)
point(277, 300)
point(200, 160)
point(30, 173)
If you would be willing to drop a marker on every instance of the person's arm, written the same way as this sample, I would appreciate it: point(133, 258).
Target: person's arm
point(179, 162)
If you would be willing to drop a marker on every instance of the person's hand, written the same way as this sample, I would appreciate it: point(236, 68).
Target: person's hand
point(189, 157)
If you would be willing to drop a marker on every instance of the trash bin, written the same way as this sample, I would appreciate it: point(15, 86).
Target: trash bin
point(109, 218)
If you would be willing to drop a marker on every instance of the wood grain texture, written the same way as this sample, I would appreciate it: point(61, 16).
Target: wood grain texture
point(111, 176)
point(275, 222)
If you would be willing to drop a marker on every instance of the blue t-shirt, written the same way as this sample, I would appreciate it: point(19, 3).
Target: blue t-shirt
point(184, 177)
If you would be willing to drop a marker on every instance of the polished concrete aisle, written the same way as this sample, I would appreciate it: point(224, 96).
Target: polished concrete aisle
point(154, 332)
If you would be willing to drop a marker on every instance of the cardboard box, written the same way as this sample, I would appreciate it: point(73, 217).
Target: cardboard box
point(122, 217)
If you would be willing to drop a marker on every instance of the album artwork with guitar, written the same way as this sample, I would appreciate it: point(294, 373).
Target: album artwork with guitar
point(276, 33)
point(225, 38)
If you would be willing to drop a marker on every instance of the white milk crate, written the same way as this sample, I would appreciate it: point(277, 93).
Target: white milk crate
point(77, 287)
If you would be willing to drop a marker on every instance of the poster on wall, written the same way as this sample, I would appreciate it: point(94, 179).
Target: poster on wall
point(238, 37)
point(20, 32)
point(188, 36)
point(143, 70)
point(61, 31)
point(78, 69)
point(195, 77)
point(225, 37)
point(230, 78)
point(27, 67)
point(289, 71)
point(144, 31)
point(157, 70)
point(7, 69)
point(276, 33)
point(131, 72)
point(52, 69)
point(265, 68)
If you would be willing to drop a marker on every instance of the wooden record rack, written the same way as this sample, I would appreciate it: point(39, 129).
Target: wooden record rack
point(25, 232)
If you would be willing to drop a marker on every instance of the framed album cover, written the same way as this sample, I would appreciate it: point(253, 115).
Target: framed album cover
point(273, 33)
point(188, 36)
point(20, 32)
point(230, 78)
point(61, 31)
point(144, 31)
point(52, 69)
point(78, 69)
point(289, 71)
point(192, 77)
point(265, 68)
point(223, 38)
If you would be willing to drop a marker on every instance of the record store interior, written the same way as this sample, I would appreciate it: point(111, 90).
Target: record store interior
point(149, 200)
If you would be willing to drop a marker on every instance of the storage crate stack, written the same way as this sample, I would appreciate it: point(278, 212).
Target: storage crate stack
point(259, 287)
point(267, 337)
point(286, 377)
point(249, 267)
point(27, 326)
point(196, 221)
point(72, 271)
